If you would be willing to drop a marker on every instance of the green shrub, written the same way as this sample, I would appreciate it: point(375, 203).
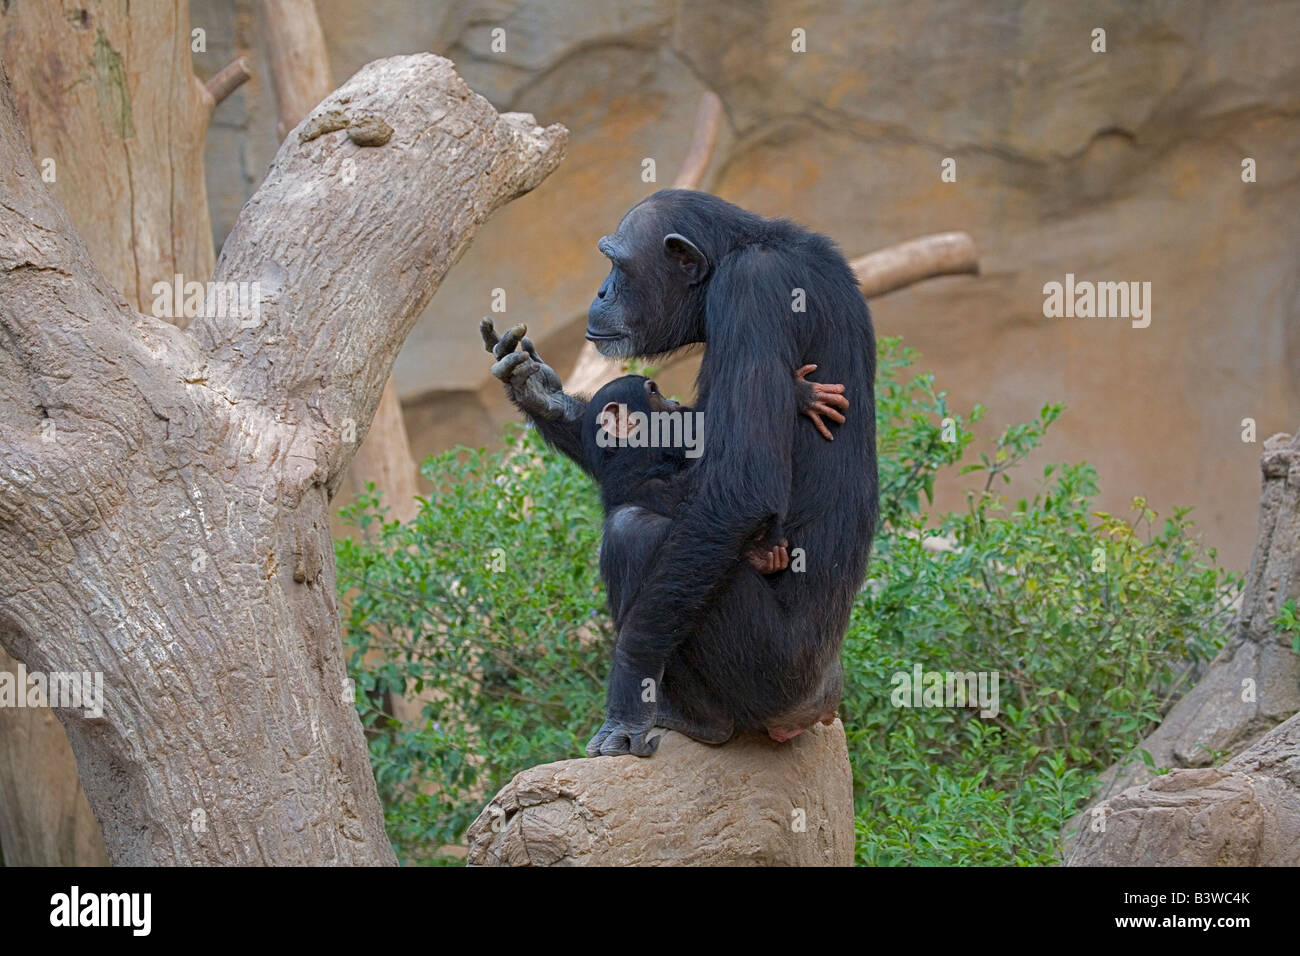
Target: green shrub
point(490, 605)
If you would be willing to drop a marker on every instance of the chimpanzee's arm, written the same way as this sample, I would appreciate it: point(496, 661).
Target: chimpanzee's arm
point(740, 486)
point(535, 390)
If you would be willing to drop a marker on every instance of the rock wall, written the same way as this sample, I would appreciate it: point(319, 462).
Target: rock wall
point(1116, 166)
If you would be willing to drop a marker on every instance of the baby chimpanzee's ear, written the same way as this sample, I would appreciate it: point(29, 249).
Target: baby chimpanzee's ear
point(613, 420)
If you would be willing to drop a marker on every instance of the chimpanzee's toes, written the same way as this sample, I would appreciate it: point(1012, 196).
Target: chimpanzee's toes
point(643, 745)
point(596, 742)
point(616, 745)
point(616, 738)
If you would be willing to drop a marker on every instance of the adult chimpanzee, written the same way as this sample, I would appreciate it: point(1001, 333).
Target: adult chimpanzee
point(707, 647)
point(637, 444)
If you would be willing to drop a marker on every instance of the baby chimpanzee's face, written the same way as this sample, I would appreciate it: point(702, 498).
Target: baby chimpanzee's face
point(656, 401)
point(630, 412)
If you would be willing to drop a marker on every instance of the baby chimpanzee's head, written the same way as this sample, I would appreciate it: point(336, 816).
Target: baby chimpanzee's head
point(632, 435)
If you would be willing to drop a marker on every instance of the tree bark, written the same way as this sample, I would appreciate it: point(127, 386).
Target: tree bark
point(301, 76)
point(164, 494)
point(116, 120)
point(115, 103)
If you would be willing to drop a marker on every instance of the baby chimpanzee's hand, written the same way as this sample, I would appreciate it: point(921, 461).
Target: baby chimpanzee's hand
point(769, 560)
point(815, 400)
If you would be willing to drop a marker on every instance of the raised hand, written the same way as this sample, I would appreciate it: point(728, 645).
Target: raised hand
point(531, 383)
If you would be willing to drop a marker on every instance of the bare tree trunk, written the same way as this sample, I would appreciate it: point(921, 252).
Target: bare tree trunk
point(124, 120)
point(164, 494)
point(116, 121)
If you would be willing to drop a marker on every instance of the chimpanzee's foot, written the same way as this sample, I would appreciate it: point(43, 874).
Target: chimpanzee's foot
point(616, 737)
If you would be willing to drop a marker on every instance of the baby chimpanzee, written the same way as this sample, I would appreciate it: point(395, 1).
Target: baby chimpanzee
point(637, 444)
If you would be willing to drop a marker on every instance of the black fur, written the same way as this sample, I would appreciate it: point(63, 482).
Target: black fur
point(706, 645)
point(640, 487)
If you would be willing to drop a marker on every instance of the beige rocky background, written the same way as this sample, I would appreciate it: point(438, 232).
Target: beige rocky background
point(1123, 165)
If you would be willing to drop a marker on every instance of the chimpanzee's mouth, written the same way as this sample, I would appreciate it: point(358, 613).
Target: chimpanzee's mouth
point(613, 346)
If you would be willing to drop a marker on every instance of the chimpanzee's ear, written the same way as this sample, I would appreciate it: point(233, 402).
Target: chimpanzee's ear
point(687, 255)
point(613, 420)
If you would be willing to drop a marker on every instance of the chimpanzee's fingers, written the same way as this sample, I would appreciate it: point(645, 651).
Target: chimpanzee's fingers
point(822, 388)
point(489, 333)
point(509, 341)
point(806, 370)
point(527, 345)
point(816, 420)
point(829, 412)
point(505, 369)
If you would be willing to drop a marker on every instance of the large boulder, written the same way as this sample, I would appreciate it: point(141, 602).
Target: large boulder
point(1246, 813)
point(748, 802)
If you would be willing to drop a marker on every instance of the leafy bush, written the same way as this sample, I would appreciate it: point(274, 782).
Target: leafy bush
point(489, 608)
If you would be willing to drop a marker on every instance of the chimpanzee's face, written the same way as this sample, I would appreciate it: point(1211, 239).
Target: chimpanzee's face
point(652, 298)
